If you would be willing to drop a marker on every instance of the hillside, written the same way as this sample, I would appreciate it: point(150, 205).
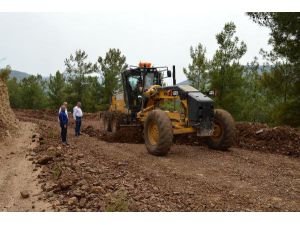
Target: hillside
point(18, 74)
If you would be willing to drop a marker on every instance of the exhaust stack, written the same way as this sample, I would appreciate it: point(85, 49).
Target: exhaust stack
point(174, 76)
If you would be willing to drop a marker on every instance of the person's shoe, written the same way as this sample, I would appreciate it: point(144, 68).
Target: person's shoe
point(64, 144)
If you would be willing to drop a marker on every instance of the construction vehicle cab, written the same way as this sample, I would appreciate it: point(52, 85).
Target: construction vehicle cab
point(165, 111)
point(137, 81)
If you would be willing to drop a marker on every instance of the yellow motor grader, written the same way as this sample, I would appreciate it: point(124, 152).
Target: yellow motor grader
point(165, 111)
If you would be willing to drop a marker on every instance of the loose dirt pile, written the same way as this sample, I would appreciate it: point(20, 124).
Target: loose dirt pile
point(124, 135)
point(43, 114)
point(8, 121)
point(255, 136)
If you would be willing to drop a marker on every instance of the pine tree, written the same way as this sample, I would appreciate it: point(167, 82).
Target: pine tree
point(226, 72)
point(197, 71)
point(56, 88)
point(111, 67)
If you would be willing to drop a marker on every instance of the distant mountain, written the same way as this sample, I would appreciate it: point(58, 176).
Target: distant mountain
point(186, 82)
point(18, 74)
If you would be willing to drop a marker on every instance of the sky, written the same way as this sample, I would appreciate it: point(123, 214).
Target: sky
point(39, 42)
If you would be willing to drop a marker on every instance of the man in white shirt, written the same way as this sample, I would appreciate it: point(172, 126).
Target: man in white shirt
point(65, 104)
point(77, 115)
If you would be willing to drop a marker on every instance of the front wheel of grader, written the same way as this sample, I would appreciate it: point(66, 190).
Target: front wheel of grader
point(224, 131)
point(158, 133)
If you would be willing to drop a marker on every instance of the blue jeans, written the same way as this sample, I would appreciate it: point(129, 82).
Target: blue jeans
point(78, 125)
point(63, 133)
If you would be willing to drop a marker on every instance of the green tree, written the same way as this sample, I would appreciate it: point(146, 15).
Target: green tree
point(32, 92)
point(255, 103)
point(5, 72)
point(226, 72)
point(283, 81)
point(56, 86)
point(77, 67)
point(14, 91)
point(92, 94)
point(281, 89)
point(197, 71)
point(111, 67)
point(285, 32)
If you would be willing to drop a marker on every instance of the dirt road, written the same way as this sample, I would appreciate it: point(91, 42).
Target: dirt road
point(94, 175)
point(17, 173)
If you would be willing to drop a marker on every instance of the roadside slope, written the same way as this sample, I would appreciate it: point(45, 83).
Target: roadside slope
point(17, 173)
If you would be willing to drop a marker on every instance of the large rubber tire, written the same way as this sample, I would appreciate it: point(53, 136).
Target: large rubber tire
point(224, 131)
point(160, 143)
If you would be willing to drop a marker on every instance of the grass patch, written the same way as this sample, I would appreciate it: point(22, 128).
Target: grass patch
point(118, 203)
point(56, 171)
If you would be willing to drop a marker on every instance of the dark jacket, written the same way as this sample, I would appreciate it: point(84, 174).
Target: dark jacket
point(63, 118)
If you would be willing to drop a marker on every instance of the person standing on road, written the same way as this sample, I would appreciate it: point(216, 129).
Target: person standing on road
point(77, 114)
point(66, 110)
point(63, 119)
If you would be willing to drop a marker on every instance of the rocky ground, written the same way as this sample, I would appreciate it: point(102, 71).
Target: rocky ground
point(101, 172)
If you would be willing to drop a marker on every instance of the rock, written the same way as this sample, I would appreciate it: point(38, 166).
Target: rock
point(78, 193)
point(49, 186)
point(72, 201)
point(64, 185)
point(80, 156)
point(44, 160)
point(276, 199)
point(58, 154)
point(82, 202)
point(58, 148)
point(84, 187)
point(122, 163)
point(90, 170)
point(49, 194)
point(97, 190)
point(51, 148)
point(259, 131)
point(24, 194)
point(82, 182)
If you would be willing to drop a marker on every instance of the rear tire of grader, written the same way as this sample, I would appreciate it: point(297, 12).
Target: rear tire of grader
point(224, 131)
point(158, 133)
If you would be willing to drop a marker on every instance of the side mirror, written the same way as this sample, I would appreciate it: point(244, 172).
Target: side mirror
point(169, 74)
point(211, 93)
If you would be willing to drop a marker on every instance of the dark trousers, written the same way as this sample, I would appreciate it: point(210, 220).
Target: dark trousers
point(77, 126)
point(63, 133)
